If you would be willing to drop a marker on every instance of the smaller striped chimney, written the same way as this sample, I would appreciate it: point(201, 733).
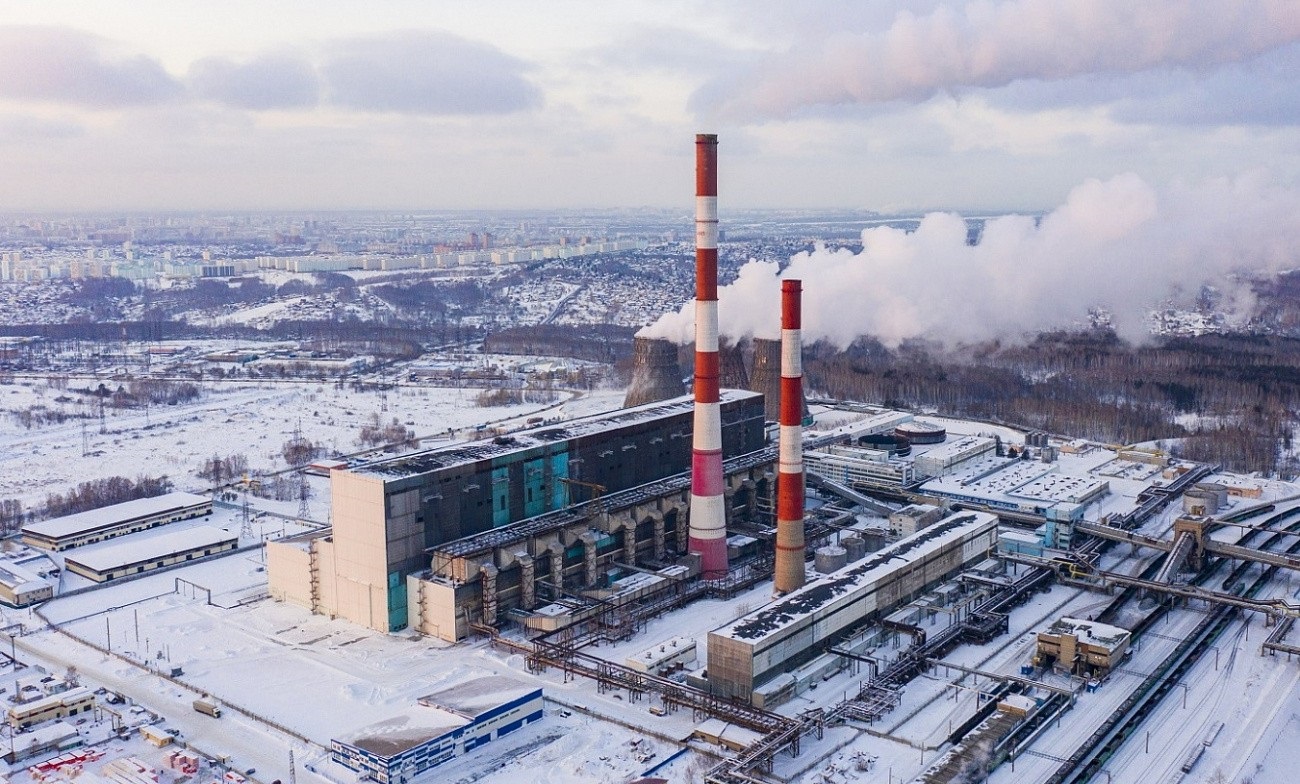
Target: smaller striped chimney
point(790, 548)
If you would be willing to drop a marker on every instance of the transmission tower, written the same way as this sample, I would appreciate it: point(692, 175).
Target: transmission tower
point(303, 491)
point(246, 530)
point(85, 439)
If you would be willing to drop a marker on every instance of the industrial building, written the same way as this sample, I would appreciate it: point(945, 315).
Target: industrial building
point(861, 467)
point(96, 525)
point(122, 559)
point(1027, 487)
point(943, 459)
point(796, 628)
point(391, 514)
point(442, 726)
point(21, 587)
point(55, 706)
point(673, 654)
point(1082, 647)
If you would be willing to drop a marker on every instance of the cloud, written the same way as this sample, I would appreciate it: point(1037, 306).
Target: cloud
point(1261, 91)
point(17, 128)
point(988, 45)
point(64, 66)
point(1120, 244)
point(666, 49)
point(425, 72)
point(269, 81)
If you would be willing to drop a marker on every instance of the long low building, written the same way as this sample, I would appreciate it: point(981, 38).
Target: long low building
point(113, 561)
point(96, 525)
point(796, 628)
point(442, 726)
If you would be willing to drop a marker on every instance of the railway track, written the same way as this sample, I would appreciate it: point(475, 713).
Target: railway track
point(1093, 754)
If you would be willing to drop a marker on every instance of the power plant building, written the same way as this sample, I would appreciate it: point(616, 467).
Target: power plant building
point(389, 514)
point(800, 626)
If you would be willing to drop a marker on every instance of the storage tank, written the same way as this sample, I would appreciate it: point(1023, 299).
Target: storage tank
point(830, 558)
point(855, 548)
point(918, 432)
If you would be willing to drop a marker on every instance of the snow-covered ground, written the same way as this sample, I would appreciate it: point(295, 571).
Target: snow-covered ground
point(321, 678)
point(253, 419)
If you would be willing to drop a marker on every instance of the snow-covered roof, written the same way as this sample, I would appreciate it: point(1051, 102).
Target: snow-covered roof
point(18, 579)
point(394, 735)
point(734, 733)
point(49, 734)
point(106, 557)
point(438, 714)
point(1099, 634)
point(109, 516)
point(805, 601)
point(471, 699)
point(428, 460)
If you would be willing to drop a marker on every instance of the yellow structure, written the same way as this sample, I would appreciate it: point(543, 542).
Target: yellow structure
point(1082, 647)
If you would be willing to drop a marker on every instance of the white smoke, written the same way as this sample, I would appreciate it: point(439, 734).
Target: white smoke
point(991, 44)
point(1118, 244)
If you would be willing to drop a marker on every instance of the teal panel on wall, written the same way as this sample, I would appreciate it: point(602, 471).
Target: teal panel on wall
point(559, 470)
point(500, 496)
point(535, 495)
point(396, 601)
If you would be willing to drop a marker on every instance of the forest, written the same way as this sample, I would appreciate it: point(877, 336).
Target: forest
point(1230, 400)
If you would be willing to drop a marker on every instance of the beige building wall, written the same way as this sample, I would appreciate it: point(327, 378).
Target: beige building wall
point(288, 568)
point(432, 610)
point(359, 556)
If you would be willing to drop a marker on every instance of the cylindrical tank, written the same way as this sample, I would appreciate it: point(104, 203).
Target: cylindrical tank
point(830, 558)
point(918, 432)
point(895, 445)
point(855, 547)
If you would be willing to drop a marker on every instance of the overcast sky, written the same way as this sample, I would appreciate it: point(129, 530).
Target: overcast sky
point(889, 106)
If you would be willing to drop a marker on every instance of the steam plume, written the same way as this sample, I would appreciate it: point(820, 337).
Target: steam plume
point(1118, 244)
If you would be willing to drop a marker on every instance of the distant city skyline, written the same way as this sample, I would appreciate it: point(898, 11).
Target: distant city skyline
point(402, 105)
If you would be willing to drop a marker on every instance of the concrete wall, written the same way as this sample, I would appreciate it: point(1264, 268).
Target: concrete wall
point(360, 557)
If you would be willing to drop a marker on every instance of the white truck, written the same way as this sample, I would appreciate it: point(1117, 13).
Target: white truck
point(205, 705)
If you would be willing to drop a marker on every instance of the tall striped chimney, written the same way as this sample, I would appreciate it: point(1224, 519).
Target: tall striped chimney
point(789, 478)
point(708, 533)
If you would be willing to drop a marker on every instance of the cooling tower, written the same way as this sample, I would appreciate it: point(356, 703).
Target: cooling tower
point(732, 372)
point(655, 373)
point(790, 547)
point(708, 516)
point(766, 378)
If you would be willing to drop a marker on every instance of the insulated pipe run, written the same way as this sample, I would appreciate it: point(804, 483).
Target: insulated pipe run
point(708, 531)
point(790, 547)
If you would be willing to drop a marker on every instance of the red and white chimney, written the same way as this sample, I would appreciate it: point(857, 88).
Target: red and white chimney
point(708, 531)
point(790, 548)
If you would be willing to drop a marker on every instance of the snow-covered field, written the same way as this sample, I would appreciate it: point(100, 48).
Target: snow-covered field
point(253, 419)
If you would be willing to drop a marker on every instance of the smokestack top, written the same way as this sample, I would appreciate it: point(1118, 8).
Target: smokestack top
point(706, 169)
point(791, 310)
